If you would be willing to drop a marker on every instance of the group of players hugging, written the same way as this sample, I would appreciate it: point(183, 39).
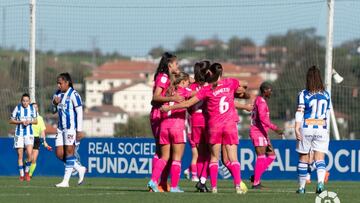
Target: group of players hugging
point(203, 110)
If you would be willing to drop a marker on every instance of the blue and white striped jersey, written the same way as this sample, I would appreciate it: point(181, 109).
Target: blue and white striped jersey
point(66, 109)
point(316, 108)
point(24, 114)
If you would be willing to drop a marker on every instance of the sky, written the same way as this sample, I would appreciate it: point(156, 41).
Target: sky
point(133, 27)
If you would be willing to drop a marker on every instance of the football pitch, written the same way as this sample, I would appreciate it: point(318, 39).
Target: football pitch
point(103, 190)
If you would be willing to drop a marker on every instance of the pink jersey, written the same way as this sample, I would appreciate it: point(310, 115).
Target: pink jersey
point(197, 116)
point(260, 118)
point(162, 80)
point(176, 118)
point(219, 101)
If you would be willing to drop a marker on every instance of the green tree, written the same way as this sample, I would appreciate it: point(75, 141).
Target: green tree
point(187, 44)
point(235, 44)
point(156, 52)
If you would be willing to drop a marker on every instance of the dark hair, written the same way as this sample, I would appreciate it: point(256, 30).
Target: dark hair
point(265, 86)
point(66, 76)
point(25, 95)
point(200, 69)
point(313, 80)
point(163, 66)
point(213, 73)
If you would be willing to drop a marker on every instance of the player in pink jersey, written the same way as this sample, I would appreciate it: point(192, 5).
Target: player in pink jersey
point(199, 134)
point(219, 100)
point(260, 125)
point(172, 137)
point(191, 171)
point(247, 107)
point(168, 66)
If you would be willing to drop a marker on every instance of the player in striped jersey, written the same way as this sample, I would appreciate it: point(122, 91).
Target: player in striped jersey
point(69, 108)
point(311, 127)
point(24, 116)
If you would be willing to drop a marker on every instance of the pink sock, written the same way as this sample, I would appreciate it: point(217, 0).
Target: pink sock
point(206, 171)
point(214, 168)
point(200, 165)
point(158, 168)
point(175, 173)
point(259, 165)
point(165, 173)
point(235, 172)
point(193, 170)
point(228, 166)
point(268, 161)
point(154, 160)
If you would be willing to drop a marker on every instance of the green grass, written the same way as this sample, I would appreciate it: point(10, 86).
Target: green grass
point(103, 190)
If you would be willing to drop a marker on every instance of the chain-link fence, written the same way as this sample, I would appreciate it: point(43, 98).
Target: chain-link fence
point(110, 48)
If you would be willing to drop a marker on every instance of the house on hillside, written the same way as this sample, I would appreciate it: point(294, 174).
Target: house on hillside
point(135, 99)
point(100, 121)
point(113, 75)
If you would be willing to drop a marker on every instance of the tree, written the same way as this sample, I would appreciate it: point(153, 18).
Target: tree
point(215, 49)
point(235, 44)
point(156, 52)
point(187, 44)
point(304, 49)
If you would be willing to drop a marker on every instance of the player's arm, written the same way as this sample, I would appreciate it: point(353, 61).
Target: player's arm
point(265, 119)
point(181, 105)
point(299, 116)
point(13, 119)
point(157, 97)
point(247, 107)
point(34, 121)
point(56, 99)
point(79, 129)
point(78, 107)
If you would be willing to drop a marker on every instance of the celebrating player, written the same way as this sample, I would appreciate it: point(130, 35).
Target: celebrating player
point(168, 66)
point(260, 125)
point(24, 116)
point(218, 97)
point(172, 137)
point(311, 127)
point(69, 108)
point(198, 130)
point(39, 130)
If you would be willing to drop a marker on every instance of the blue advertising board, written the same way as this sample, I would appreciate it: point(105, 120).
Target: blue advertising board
point(131, 158)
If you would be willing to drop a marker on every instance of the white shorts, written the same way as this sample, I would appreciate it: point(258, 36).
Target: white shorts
point(65, 137)
point(23, 141)
point(313, 140)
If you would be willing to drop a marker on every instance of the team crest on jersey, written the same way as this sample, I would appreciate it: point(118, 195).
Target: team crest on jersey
point(70, 136)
